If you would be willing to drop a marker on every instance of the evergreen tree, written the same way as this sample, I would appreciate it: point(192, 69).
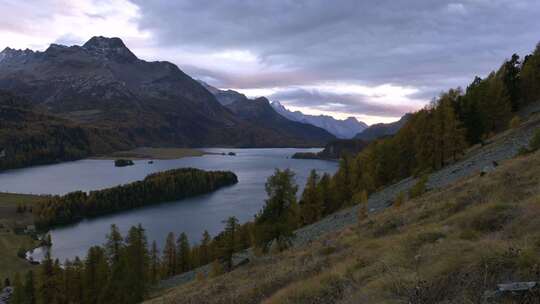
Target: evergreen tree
point(311, 205)
point(114, 245)
point(231, 242)
point(183, 259)
point(324, 189)
point(341, 183)
point(205, 254)
point(510, 74)
point(530, 77)
point(138, 259)
point(155, 263)
point(169, 256)
point(116, 290)
point(279, 216)
point(96, 272)
point(48, 284)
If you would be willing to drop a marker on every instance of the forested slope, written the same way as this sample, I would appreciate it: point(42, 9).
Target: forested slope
point(28, 137)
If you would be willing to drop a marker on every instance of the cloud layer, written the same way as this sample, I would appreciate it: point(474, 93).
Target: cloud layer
point(396, 55)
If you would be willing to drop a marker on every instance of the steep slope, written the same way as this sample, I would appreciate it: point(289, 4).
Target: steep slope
point(344, 129)
point(380, 130)
point(453, 244)
point(259, 112)
point(102, 83)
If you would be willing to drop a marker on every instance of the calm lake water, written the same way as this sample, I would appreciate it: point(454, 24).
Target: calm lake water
point(193, 216)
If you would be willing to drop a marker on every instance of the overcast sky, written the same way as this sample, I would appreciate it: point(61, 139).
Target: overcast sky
point(374, 60)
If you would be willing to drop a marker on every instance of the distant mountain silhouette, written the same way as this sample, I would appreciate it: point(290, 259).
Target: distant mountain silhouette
point(347, 128)
point(261, 113)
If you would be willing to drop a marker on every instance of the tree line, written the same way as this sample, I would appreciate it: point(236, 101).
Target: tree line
point(155, 188)
point(432, 138)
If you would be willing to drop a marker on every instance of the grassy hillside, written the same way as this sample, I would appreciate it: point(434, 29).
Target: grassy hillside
point(448, 245)
point(10, 242)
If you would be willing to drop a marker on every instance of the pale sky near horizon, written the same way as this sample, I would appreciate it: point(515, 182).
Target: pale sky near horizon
point(374, 60)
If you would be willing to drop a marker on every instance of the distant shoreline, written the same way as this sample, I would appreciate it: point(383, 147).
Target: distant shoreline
point(152, 153)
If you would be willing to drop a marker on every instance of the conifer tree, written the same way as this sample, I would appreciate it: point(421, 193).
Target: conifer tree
point(530, 77)
point(205, 254)
point(114, 245)
point(155, 263)
point(48, 284)
point(231, 242)
point(323, 187)
point(169, 256)
point(279, 216)
point(116, 290)
point(96, 270)
point(311, 205)
point(138, 259)
point(183, 259)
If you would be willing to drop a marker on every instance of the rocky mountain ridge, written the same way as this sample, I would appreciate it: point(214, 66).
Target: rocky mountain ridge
point(343, 129)
point(103, 84)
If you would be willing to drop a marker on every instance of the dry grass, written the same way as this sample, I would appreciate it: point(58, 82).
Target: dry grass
point(446, 246)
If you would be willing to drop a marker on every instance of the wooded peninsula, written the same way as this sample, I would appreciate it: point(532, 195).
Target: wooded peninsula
point(156, 188)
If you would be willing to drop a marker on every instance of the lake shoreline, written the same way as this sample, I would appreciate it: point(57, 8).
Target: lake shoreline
point(143, 153)
point(192, 215)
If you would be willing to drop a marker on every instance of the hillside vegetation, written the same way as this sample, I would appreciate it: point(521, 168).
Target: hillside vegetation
point(29, 137)
point(448, 245)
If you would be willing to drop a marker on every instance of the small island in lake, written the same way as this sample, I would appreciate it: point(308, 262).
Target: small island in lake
point(123, 163)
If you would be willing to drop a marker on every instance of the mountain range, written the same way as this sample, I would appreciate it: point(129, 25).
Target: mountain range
point(346, 128)
point(260, 111)
point(102, 84)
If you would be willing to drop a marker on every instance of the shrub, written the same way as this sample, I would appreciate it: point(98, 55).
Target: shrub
point(388, 226)
point(419, 188)
point(515, 122)
point(400, 199)
point(200, 276)
point(534, 144)
point(217, 269)
point(492, 218)
point(416, 241)
point(328, 250)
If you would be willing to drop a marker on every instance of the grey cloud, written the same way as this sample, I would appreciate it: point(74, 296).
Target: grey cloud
point(423, 43)
point(355, 104)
